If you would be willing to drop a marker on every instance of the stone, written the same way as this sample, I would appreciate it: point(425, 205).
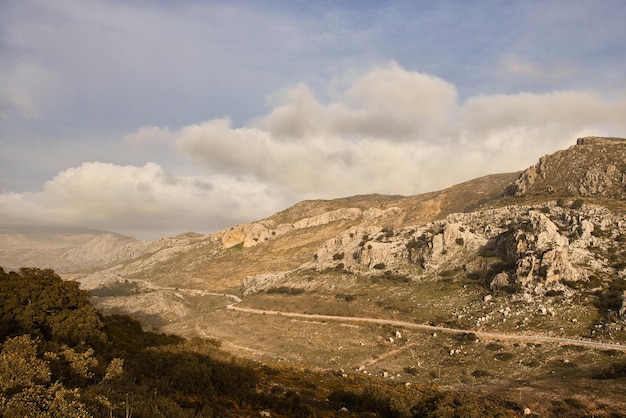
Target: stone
point(499, 281)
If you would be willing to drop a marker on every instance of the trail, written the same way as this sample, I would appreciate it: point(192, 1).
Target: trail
point(434, 328)
point(409, 325)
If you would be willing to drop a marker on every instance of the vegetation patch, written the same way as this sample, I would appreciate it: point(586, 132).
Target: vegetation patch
point(504, 356)
point(285, 290)
point(613, 371)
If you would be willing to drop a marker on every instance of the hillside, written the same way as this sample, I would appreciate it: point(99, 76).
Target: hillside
point(64, 249)
point(509, 284)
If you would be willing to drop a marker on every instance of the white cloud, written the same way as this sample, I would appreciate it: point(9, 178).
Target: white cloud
point(396, 131)
point(146, 201)
point(569, 110)
point(387, 103)
point(388, 130)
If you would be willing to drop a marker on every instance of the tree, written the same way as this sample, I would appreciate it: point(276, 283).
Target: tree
point(19, 366)
point(38, 302)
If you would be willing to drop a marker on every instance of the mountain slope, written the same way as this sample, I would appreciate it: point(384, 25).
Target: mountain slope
point(64, 249)
point(507, 257)
point(290, 238)
point(595, 166)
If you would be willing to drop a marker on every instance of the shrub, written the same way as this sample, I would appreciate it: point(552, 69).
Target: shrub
point(399, 278)
point(480, 373)
point(468, 337)
point(598, 232)
point(459, 241)
point(388, 231)
point(504, 356)
point(577, 204)
point(613, 371)
point(412, 370)
point(552, 293)
point(285, 290)
point(379, 266)
point(457, 404)
point(494, 347)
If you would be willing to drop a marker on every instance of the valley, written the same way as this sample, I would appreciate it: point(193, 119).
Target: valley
point(511, 285)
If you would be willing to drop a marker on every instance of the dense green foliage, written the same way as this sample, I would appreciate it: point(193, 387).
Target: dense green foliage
point(38, 303)
point(60, 357)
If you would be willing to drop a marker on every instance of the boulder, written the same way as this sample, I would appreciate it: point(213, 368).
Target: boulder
point(499, 281)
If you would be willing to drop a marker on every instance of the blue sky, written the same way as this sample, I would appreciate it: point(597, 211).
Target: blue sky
point(152, 117)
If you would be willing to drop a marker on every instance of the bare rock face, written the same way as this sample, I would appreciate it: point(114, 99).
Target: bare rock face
point(543, 250)
point(258, 232)
point(542, 247)
point(600, 140)
point(500, 281)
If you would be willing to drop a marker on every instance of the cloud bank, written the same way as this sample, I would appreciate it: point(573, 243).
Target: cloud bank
point(147, 201)
point(396, 131)
point(388, 130)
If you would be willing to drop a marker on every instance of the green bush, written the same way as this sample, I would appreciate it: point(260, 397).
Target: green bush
point(457, 405)
point(481, 373)
point(285, 290)
point(613, 371)
point(577, 204)
point(39, 303)
point(504, 356)
point(494, 346)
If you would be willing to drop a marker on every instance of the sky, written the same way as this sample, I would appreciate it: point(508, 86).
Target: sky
point(153, 118)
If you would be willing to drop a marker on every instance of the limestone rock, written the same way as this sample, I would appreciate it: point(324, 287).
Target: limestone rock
point(256, 233)
point(543, 246)
point(500, 280)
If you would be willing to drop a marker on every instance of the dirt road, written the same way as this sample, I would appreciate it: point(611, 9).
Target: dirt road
point(424, 327)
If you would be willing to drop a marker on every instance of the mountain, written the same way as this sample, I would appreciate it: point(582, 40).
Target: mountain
point(509, 284)
point(64, 249)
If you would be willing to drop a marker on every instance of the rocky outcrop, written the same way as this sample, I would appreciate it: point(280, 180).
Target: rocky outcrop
point(593, 167)
point(539, 248)
point(600, 140)
point(256, 233)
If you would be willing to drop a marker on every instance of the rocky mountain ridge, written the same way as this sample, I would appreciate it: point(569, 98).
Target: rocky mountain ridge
point(595, 166)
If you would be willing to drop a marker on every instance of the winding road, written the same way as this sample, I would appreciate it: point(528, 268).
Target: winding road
point(409, 325)
point(424, 327)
